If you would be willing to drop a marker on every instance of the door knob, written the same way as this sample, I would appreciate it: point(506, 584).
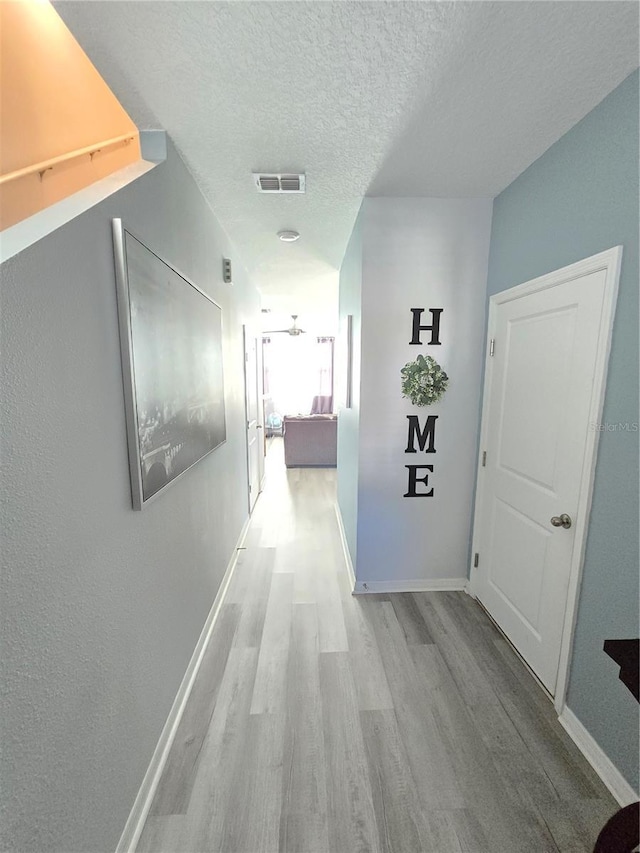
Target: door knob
point(563, 520)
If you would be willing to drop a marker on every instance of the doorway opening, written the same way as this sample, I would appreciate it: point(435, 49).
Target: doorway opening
point(298, 382)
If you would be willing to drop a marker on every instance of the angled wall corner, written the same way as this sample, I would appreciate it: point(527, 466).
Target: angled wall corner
point(349, 306)
point(153, 145)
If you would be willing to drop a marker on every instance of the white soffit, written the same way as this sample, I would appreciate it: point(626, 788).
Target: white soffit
point(383, 98)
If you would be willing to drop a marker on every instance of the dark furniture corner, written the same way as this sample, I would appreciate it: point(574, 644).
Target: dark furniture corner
point(621, 833)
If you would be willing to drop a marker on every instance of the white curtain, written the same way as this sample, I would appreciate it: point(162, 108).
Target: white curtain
point(296, 369)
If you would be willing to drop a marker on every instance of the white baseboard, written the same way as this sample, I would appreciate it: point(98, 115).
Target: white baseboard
point(371, 587)
point(345, 547)
point(417, 585)
point(138, 815)
point(595, 755)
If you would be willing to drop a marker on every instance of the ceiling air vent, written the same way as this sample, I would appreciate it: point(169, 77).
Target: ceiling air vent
point(279, 183)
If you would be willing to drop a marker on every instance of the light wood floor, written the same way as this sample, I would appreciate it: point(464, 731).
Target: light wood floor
point(324, 722)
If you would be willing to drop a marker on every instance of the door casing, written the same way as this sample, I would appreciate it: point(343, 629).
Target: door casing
point(252, 388)
point(609, 261)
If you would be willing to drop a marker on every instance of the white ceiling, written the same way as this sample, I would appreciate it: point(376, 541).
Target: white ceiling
point(378, 98)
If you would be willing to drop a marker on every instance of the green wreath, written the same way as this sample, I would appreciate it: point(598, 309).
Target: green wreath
point(423, 381)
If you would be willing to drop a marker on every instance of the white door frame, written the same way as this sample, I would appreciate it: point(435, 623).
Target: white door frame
point(246, 337)
point(610, 262)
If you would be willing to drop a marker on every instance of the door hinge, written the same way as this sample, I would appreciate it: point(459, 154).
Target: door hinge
point(484, 458)
point(492, 346)
point(476, 560)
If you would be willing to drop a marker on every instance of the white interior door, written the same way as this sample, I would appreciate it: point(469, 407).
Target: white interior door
point(255, 450)
point(544, 389)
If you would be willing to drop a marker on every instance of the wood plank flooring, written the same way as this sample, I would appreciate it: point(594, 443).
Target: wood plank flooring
point(321, 722)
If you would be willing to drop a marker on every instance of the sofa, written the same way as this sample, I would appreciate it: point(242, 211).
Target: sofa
point(310, 441)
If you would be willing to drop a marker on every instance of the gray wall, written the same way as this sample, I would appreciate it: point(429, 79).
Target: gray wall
point(419, 253)
point(349, 419)
point(101, 606)
point(579, 198)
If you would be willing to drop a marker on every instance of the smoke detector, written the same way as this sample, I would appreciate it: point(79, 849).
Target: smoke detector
point(272, 182)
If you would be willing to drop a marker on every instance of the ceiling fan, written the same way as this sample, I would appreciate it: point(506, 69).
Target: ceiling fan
point(293, 330)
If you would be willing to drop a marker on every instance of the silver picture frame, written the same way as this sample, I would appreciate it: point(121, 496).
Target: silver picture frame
point(349, 382)
point(173, 378)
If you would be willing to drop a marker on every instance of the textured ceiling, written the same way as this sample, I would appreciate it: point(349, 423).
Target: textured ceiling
point(378, 98)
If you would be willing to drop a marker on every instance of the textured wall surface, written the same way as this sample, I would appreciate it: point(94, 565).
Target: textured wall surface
point(349, 419)
point(101, 606)
point(369, 98)
point(580, 198)
point(419, 253)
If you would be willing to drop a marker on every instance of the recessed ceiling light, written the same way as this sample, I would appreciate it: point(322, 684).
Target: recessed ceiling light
point(288, 236)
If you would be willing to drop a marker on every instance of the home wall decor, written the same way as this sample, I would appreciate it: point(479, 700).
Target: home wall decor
point(424, 383)
point(171, 345)
point(414, 280)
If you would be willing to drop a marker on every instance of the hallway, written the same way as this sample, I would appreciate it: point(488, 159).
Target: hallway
point(320, 721)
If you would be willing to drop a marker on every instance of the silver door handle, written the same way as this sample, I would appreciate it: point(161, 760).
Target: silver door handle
point(563, 520)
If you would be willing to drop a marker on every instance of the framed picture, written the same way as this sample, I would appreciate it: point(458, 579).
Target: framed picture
point(171, 344)
point(349, 394)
